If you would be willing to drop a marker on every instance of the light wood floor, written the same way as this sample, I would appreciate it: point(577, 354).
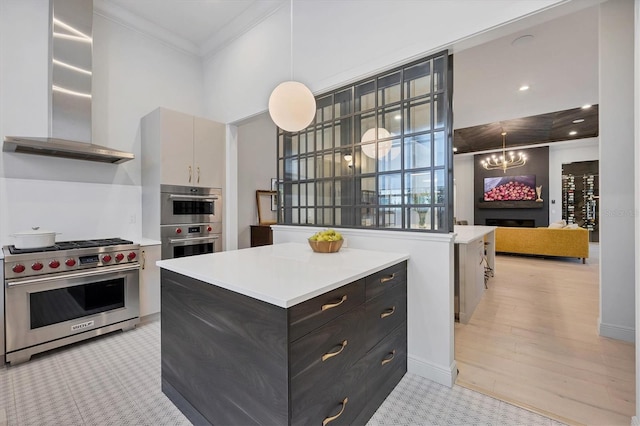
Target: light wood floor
point(533, 341)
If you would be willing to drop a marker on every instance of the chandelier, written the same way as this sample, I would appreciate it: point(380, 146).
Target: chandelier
point(504, 162)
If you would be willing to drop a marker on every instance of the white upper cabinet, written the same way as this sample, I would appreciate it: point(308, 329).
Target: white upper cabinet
point(176, 135)
point(208, 153)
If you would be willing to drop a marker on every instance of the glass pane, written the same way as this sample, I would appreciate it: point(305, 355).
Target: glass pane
point(327, 137)
point(338, 218)
point(417, 187)
point(440, 221)
point(365, 96)
point(439, 148)
point(342, 132)
point(365, 123)
point(323, 112)
point(417, 151)
point(368, 217)
point(311, 167)
point(417, 80)
point(302, 138)
point(344, 192)
point(294, 145)
point(311, 133)
point(439, 186)
point(303, 169)
point(311, 216)
point(417, 116)
point(390, 189)
point(287, 144)
point(303, 195)
point(438, 111)
point(328, 217)
point(281, 169)
point(365, 161)
point(327, 193)
point(391, 161)
point(438, 73)
point(294, 195)
point(366, 190)
point(290, 169)
point(343, 161)
point(389, 89)
point(390, 218)
point(343, 103)
point(389, 119)
point(418, 218)
point(280, 146)
point(303, 215)
point(294, 216)
point(311, 197)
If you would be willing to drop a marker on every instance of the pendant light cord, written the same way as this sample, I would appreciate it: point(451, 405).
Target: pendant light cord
point(291, 37)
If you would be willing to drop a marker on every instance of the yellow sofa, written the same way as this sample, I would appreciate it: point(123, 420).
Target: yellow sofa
point(543, 241)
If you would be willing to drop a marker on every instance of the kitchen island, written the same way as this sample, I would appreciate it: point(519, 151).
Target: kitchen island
point(281, 335)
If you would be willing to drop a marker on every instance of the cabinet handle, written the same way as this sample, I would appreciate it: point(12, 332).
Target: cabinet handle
point(189, 174)
point(333, 305)
point(144, 260)
point(388, 358)
point(332, 354)
point(387, 278)
point(198, 170)
point(328, 420)
point(388, 312)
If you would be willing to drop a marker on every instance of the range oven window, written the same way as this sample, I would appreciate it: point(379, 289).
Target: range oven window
point(63, 304)
point(192, 207)
point(192, 250)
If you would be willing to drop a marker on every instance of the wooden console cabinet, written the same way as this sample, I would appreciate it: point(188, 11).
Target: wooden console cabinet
point(261, 235)
point(232, 359)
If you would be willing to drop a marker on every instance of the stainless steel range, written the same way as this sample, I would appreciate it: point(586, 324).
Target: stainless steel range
point(68, 292)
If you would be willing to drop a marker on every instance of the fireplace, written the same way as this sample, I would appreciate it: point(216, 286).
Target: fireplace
point(520, 223)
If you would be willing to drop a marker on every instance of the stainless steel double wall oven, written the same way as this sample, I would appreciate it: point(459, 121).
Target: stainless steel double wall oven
point(190, 220)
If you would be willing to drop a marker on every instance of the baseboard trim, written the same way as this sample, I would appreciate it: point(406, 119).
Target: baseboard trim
point(423, 368)
point(618, 332)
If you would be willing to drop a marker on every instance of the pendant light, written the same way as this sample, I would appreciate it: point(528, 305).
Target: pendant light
point(504, 162)
point(292, 106)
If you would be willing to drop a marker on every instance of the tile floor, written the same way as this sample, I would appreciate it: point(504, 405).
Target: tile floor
point(115, 380)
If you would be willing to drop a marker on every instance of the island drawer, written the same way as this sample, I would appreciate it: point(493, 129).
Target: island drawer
point(329, 350)
point(385, 313)
point(313, 313)
point(387, 278)
point(387, 361)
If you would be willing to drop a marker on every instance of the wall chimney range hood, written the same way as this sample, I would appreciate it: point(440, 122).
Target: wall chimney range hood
point(70, 71)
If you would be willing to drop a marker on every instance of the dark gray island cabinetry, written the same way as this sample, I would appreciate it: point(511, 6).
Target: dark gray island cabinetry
point(323, 350)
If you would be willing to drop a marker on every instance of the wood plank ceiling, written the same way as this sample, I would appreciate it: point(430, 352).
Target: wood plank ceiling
point(534, 130)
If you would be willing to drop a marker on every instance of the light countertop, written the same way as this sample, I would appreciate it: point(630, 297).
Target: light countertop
point(467, 233)
point(282, 274)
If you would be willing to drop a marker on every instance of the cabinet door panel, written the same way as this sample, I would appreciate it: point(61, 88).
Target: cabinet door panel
point(385, 313)
point(309, 315)
point(329, 350)
point(386, 364)
point(208, 153)
point(177, 147)
point(385, 279)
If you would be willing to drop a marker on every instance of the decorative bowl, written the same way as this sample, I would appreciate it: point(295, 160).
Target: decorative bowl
point(325, 246)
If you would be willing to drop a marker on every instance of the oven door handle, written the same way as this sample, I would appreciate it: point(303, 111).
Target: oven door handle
point(193, 197)
point(180, 240)
point(89, 273)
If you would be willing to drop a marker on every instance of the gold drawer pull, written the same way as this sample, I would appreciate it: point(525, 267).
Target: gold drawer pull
point(387, 278)
point(388, 312)
point(332, 354)
point(328, 420)
point(389, 358)
point(333, 305)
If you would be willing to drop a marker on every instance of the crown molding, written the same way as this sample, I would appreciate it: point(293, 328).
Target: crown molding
point(135, 23)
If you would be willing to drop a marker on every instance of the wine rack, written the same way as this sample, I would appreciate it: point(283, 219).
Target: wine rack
point(589, 206)
point(569, 198)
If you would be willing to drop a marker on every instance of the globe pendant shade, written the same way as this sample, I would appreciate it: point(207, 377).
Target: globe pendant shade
point(292, 106)
point(383, 147)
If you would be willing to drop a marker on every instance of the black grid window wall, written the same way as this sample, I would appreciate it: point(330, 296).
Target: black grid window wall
point(377, 155)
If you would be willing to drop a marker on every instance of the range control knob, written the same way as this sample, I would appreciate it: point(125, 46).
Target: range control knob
point(209, 228)
point(54, 264)
point(178, 230)
point(70, 262)
point(131, 256)
point(119, 257)
point(36, 266)
point(106, 258)
point(18, 268)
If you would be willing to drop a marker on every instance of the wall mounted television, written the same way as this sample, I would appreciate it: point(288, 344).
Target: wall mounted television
point(510, 188)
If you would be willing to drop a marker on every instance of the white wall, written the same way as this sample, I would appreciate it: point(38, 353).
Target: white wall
point(464, 204)
point(340, 41)
point(256, 168)
point(617, 255)
point(635, 419)
point(133, 74)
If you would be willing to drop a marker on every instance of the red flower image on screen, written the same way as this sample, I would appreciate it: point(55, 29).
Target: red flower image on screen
point(510, 188)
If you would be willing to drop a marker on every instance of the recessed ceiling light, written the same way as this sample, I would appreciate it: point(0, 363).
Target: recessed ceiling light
point(587, 106)
point(578, 120)
point(455, 149)
point(573, 133)
point(524, 87)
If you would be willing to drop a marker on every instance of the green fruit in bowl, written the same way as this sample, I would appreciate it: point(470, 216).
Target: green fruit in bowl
point(326, 235)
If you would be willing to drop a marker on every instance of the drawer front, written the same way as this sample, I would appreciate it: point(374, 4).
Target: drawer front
point(387, 363)
point(324, 400)
point(329, 350)
point(385, 313)
point(385, 279)
point(307, 316)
